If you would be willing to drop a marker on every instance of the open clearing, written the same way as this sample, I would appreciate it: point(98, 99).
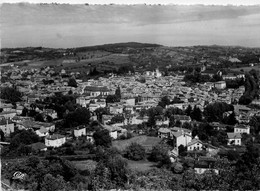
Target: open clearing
point(140, 165)
point(145, 141)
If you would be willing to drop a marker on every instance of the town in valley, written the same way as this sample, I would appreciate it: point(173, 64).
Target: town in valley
point(129, 97)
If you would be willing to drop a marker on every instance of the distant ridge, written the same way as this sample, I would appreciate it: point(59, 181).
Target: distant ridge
point(116, 45)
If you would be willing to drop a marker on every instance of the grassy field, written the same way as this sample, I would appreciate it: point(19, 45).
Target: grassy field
point(146, 141)
point(140, 165)
point(85, 165)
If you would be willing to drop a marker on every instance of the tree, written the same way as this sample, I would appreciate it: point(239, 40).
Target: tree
point(164, 101)
point(24, 112)
point(39, 117)
point(102, 138)
point(23, 136)
point(231, 119)
point(255, 123)
point(111, 99)
point(214, 112)
point(51, 183)
point(182, 150)
point(99, 112)
point(80, 116)
point(72, 82)
point(135, 152)
point(196, 114)
point(188, 110)
point(159, 153)
point(10, 94)
point(118, 93)
point(2, 135)
point(49, 119)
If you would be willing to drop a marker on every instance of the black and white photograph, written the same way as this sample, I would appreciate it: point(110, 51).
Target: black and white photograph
point(129, 96)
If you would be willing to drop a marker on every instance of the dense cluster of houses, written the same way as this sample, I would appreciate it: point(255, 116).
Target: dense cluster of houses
point(135, 96)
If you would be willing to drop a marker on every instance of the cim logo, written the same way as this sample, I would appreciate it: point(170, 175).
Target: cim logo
point(19, 175)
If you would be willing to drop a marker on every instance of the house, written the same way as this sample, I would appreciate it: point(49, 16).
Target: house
point(19, 110)
point(186, 131)
point(106, 118)
point(27, 124)
point(6, 107)
point(139, 119)
point(180, 138)
point(49, 126)
point(204, 164)
point(241, 128)
point(83, 101)
point(220, 85)
point(115, 108)
point(90, 136)
point(195, 144)
point(55, 140)
point(93, 107)
point(182, 118)
point(234, 138)
point(42, 132)
point(95, 91)
point(161, 120)
point(7, 126)
point(129, 101)
point(51, 113)
point(18, 119)
point(210, 149)
point(8, 114)
point(164, 133)
point(79, 131)
point(115, 131)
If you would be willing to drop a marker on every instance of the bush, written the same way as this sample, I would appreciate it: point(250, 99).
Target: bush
point(135, 152)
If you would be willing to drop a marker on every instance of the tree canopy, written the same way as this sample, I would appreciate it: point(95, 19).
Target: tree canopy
point(10, 94)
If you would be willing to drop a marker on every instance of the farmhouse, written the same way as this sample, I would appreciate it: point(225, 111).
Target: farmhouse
point(55, 140)
point(234, 138)
point(241, 128)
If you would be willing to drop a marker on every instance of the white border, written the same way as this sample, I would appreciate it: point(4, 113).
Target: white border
point(162, 2)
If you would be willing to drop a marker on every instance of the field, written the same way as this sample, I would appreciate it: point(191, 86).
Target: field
point(105, 61)
point(85, 165)
point(140, 165)
point(145, 141)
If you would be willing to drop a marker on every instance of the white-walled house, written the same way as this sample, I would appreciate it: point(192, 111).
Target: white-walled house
point(220, 85)
point(55, 140)
point(7, 126)
point(234, 138)
point(79, 131)
point(195, 144)
point(181, 138)
point(240, 128)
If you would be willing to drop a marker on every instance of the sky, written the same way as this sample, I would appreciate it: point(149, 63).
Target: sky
point(75, 25)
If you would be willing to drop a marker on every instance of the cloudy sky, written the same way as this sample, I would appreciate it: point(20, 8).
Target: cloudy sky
point(66, 26)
